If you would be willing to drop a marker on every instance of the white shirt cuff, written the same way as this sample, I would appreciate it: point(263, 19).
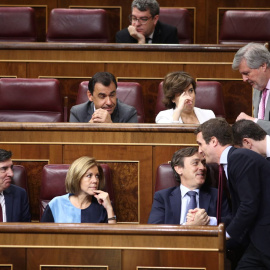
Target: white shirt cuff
point(213, 221)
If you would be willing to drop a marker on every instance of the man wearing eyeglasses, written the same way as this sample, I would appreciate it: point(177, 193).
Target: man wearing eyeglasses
point(145, 26)
point(13, 199)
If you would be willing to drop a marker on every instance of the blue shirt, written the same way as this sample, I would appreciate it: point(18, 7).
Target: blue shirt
point(61, 210)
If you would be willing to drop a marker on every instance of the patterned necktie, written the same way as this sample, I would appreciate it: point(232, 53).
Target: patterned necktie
point(192, 202)
point(262, 104)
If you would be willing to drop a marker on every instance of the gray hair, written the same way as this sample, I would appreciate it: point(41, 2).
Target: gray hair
point(144, 5)
point(254, 53)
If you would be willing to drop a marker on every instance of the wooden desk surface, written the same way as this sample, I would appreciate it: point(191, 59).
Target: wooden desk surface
point(114, 247)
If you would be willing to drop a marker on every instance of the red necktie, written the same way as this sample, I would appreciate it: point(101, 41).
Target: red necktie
point(221, 184)
point(1, 213)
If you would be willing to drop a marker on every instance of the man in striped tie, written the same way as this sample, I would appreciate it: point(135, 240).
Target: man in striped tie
point(253, 62)
point(194, 202)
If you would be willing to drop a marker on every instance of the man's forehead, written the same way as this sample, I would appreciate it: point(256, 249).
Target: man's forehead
point(195, 157)
point(199, 136)
point(7, 162)
point(100, 88)
point(140, 13)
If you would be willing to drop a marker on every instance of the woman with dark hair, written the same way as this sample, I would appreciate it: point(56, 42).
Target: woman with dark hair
point(179, 97)
point(85, 202)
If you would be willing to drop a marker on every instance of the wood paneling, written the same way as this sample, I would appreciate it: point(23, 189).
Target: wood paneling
point(146, 64)
point(114, 247)
point(133, 152)
point(203, 14)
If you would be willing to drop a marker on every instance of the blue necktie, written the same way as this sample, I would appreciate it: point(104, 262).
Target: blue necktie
point(192, 202)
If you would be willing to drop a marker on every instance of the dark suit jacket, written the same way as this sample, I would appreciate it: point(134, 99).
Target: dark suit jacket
point(122, 113)
point(163, 34)
point(249, 184)
point(17, 207)
point(166, 208)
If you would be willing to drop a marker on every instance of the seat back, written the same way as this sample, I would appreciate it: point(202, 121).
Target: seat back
point(208, 96)
point(165, 176)
point(17, 24)
point(30, 100)
point(53, 183)
point(19, 177)
point(78, 25)
point(244, 26)
point(179, 18)
point(128, 92)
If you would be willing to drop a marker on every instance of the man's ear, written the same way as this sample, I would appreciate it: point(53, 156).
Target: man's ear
point(247, 143)
point(264, 66)
point(178, 169)
point(89, 95)
point(156, 19)
point(214, 141)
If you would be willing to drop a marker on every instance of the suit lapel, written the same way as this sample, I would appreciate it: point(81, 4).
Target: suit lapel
point(90, 112)
point(256, 102)
point(204, 200)
point(156, 36)
point(9, 204)
point(175, 201)
point(115, 115)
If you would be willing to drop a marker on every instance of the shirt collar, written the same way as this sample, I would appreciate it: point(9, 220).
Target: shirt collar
point(268, 85)
point(151, 35)
point(224, 155)
point(267, 146)
point(184, 190)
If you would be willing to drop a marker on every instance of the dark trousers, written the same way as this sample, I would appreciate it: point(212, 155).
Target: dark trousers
point(254, 259)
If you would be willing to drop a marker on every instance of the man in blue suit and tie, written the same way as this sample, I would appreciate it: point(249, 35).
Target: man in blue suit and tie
point(171, 205)
point(14, 205)
point(248, 175)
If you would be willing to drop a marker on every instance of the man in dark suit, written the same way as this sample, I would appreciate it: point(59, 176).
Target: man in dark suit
point(247, 134)
point(248, 175)
point(253, 62)
point(13, 199)
point(103, 106)
point(145, 26)
point(170, 206)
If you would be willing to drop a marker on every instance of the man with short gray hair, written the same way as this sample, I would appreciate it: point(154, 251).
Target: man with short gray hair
point(253, 62)
point(145, 25)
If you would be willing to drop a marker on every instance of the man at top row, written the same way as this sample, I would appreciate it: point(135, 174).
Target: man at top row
point(145, 25)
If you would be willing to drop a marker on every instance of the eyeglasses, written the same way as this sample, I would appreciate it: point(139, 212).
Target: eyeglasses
point(142, 20)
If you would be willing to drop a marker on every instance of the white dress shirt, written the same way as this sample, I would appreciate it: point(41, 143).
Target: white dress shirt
point(166, 117)
point(267, 146)
point(185, 201)
point(224, 161)
point(3, 205)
